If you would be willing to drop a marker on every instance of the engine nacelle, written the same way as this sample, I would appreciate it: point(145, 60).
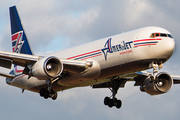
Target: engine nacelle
point(163, 84)
point(47, 68)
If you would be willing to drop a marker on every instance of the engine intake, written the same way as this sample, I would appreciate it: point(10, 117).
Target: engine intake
point(47, 68)
point(163, 83)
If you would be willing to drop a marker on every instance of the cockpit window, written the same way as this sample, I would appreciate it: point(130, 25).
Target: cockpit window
point(170, 36)
point(153, 35)
point(163, 35)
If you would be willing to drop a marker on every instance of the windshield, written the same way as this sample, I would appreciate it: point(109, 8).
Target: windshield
point(153, 35)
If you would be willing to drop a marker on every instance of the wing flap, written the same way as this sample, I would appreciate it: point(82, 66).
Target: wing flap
point(75, 66)
point(120, 82)
point(6, 63)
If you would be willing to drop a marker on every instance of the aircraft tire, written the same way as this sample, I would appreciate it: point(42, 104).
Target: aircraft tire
point(54, 97)
point(46, 95)
point(106, 100)
point(110, 103)
point(118, 104)
point(42, 92)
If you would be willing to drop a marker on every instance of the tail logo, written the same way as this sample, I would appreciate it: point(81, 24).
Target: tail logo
point(17, 41)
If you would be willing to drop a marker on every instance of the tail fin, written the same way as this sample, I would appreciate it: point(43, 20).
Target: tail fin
point(20, 42)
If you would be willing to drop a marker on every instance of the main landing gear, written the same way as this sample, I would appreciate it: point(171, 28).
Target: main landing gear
point(112, 102)
point(113, 85)
point(48, 94)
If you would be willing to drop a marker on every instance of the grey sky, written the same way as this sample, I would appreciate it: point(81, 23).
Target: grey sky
point(53, 25)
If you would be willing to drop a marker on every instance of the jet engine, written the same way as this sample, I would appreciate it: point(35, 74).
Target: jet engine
point(47, 68)
point(162, 83)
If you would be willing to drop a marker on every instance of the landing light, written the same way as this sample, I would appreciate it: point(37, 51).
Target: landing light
point(89, 64)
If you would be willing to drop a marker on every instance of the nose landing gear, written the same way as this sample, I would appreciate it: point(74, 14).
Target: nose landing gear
point(155, 67)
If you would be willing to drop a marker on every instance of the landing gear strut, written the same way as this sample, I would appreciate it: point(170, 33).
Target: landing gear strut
point(155, 67)
point(113, 85)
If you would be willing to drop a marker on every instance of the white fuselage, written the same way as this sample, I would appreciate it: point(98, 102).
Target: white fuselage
point(112, 56)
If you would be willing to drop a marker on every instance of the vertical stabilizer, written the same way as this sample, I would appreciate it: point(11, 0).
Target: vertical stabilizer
point(20, 42)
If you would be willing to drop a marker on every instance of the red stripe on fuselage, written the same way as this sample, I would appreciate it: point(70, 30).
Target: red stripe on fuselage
point(144, 45)
point(147, 40)
point(83, 54)
point(18, 77)
point(91, 56)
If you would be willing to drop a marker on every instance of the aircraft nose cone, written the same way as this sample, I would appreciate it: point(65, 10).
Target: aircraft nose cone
point(169, 47)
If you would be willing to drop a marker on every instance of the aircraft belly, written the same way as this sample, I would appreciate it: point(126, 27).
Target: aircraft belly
point(125, 68)
point(89, 75)
point(23, 82)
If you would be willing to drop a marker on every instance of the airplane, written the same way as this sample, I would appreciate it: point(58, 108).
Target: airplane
point(105, 63)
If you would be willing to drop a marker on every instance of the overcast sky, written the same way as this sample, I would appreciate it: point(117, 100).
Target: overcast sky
point(53, 25)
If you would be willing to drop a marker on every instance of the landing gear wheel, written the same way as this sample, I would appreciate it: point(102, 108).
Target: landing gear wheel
point(118, 104)
point(42, 92)
point(46, 95)
point(110, 103)
point(54, 96)
point(106, 100)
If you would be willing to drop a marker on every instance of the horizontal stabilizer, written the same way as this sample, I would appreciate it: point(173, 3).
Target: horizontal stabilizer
point(7, 75)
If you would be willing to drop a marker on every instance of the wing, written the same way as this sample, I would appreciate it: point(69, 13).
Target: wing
point(138, 77)
point(176, 79)
point(121, 80)
point(9, 58)
point(28, 61)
